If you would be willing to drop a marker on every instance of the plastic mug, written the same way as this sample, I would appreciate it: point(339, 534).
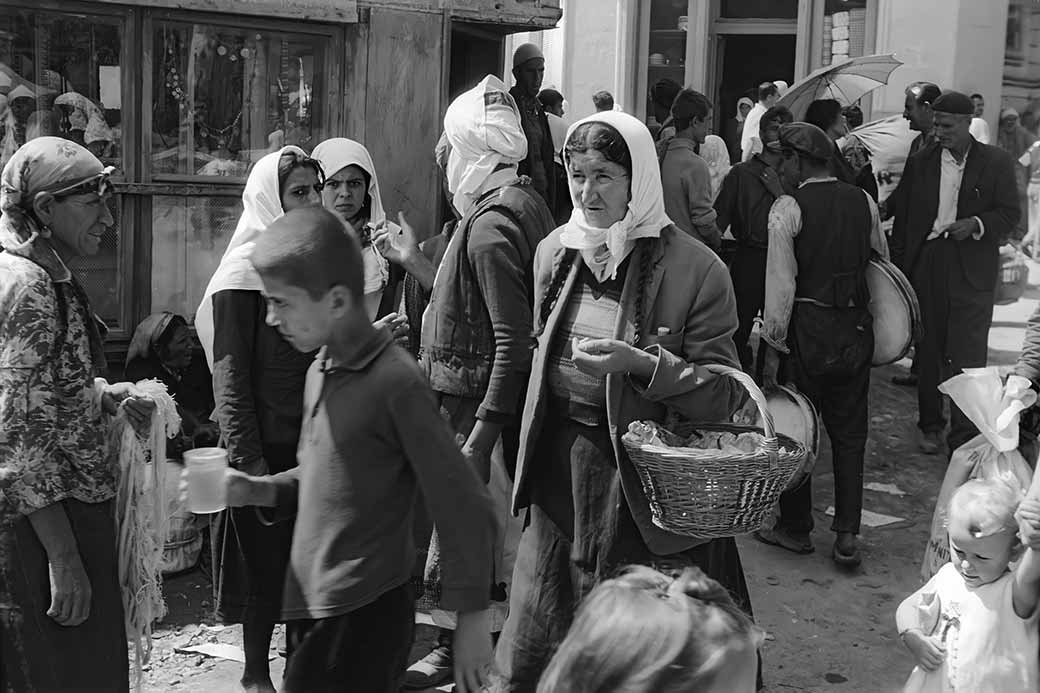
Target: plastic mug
point(206, 471)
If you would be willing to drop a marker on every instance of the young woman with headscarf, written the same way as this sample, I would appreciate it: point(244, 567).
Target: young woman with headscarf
point(61, 611)
point(258, 390)
point(627, 311)
point(351, 192)
point(476, 331)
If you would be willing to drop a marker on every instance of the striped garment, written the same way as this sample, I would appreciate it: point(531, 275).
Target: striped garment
point(591, 313)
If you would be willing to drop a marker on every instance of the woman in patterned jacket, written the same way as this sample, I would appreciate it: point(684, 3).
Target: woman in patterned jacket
point(61, 613)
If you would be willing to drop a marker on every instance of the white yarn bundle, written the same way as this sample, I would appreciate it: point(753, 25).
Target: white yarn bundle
point(141, 515)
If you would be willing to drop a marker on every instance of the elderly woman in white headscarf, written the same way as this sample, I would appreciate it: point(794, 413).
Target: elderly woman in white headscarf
point(628, 311)
point(61, 611)
point(351, 192)
point(476, 331)
point(258, 381)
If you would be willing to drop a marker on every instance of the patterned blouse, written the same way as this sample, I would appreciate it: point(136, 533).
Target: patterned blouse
point(51, 437)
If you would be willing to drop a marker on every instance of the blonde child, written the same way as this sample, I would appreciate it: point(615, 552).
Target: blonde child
point(973, 626)
point(644, 632)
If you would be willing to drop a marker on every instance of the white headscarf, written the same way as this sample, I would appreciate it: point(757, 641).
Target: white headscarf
point(261, 205)
point(336, 154)
point(483, 128)
point(604, 249)
point(716, 155)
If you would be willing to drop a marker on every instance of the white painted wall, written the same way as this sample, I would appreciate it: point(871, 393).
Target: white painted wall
point(958, 44)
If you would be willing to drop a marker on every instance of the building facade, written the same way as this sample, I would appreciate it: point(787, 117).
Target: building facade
point(725, 48)
point(182, 96)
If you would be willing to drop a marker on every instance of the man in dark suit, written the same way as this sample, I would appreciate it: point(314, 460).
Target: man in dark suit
point(960, 206)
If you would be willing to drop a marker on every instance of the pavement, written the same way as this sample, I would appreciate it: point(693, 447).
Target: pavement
point(828, 629)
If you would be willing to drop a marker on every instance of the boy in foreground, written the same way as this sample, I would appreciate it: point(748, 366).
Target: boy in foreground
point(371, 439)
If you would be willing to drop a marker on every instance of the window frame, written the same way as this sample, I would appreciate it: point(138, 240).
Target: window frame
point(135, 186)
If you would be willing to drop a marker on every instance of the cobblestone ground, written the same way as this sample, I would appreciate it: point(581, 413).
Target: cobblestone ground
point(828, 629)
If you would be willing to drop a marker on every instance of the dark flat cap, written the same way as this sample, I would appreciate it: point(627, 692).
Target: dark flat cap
point(955, 103)
point(807, 139)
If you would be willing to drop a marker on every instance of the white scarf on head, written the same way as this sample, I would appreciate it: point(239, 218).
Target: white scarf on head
point(483, 127)
point(261, 205)
point(605, 249)
point(336, 154)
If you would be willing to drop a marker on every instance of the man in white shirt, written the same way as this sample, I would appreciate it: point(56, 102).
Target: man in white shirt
point(750, 143)
point(962, 203)
point(979, 129)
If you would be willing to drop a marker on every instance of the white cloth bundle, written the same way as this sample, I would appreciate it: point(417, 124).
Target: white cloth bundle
point(141, 515)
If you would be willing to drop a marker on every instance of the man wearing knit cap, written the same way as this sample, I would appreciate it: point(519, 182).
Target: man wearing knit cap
point(528, 71)
point(816, 311)
point(961, 204)
point(685, 176)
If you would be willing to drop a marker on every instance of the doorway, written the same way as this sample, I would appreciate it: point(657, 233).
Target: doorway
point(743, 62)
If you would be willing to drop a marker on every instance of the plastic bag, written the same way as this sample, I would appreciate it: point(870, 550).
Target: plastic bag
point(994, 408)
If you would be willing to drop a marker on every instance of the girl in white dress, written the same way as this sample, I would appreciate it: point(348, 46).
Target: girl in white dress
point(973, 626)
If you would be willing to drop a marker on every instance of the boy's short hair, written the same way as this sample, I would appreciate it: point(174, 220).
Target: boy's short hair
point(767, 89)
point(550, 98)
point(603, 100)
point(311, 249)
point(987, 506)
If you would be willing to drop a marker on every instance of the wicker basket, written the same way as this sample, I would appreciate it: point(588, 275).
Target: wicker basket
point(709, 494)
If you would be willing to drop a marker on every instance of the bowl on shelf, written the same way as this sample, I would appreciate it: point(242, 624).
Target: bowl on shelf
point(657, 59)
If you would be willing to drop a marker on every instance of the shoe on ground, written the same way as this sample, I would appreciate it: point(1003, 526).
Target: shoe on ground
point(930, 442)
point(908, 380)
point(796, 542)
point(433, 670)
point(846, 550)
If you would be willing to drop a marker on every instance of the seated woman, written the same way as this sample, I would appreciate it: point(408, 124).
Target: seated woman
point(351, 192)
point(628, 310)
point(161, 349)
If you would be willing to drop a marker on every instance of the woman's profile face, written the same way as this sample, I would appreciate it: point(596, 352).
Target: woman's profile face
point(79, 221)
point(300, 189)
point(600, 188)
point(344, 193)
point(177, 352)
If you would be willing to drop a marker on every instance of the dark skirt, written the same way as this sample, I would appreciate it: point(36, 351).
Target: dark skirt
point(580, 531)
point(250, 557)
point(40, 655)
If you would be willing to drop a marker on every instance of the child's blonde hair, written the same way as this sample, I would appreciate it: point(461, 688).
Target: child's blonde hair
point(644, 632)
point(988, 506)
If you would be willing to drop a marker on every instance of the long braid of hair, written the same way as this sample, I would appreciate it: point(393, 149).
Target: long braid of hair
point(646, 248)
point(552, 292)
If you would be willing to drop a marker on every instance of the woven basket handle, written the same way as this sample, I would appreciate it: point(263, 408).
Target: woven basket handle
point(770, 444)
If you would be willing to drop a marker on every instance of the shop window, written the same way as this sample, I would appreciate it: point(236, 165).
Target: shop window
point(844, 30)
point(189, 236)
point(222, 97)
point(60, 76)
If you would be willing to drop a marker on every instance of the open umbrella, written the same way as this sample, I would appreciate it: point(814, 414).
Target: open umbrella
point(846, 81)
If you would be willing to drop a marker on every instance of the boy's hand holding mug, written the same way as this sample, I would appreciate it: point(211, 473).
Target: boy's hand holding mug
point(472, 651)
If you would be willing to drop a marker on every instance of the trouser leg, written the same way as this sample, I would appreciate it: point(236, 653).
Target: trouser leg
point(970, 317)
point(930, 285)
point(749, 284)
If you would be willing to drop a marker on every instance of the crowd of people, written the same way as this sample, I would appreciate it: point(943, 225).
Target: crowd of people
point(457, 448)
